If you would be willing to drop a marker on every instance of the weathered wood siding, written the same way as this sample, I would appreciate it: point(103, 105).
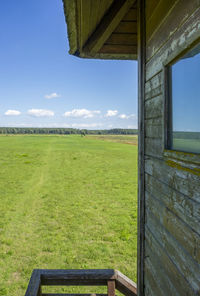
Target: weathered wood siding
point(172, 179)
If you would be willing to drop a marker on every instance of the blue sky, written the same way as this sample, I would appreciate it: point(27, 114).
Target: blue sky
point(186, 94)
point(43, 86)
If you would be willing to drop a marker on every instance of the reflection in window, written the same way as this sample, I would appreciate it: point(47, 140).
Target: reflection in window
point(185, 102)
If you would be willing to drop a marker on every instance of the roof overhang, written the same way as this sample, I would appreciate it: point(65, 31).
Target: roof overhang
point(102, 29)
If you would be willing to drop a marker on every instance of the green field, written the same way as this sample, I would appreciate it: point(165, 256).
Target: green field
point(66, 202)
point(187, 145)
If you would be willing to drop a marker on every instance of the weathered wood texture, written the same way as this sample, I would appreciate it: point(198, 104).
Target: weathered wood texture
point(141, 146)
point(123, 39)
point(172, 179)
point(105, 29)
point(111, 278)
point(89, 15)
point(111, 287)
point(34, 284)
point(107, 25)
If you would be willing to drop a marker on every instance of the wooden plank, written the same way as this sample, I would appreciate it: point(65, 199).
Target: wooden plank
point(85, 21)
point(186, 267)
point(185, 236)
point(157, 253)
point(115, 49)
point(92, 274)
point(154, 86)
point(152, 286)
point(154, 121)
point(154, 147)
point(186, 164)
point(182, 206)
point(179, 179)
point(154, 82)
point(181, 40)
point(158, 15)
point(107, 25)
point(150, 7)
point(154, 92)
point(111, 287)
point(131, 15)
point(154, 128)
point(61, 281)
point(154, 107)
point(98, 9)
point(104, 6)
point(192, 159)
point(125, 285)
point(126, 27)
point(180, 12)
point(159, 281)
point(34, 284)
point(154, 131)
point(122, 39)
point(91, 277)
point(141, 146)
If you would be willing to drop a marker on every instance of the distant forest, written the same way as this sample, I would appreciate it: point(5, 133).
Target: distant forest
point(186, 135)
point(66, 131)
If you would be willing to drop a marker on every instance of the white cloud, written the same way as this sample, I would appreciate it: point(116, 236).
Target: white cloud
point(111, 113)
point(40, 112)
point(12, 112)
point(52, 96)
point(81, 113)
point(124, 116)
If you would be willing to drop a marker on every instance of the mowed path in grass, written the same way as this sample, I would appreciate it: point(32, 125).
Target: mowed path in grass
point(66, 202)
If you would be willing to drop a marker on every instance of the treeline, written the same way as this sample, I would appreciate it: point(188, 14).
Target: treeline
point(66, 131)
point(186, 135)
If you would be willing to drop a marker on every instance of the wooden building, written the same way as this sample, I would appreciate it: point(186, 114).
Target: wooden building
point(159, 34)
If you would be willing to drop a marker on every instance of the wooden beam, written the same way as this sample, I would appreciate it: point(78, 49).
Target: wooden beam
point(141, 145)
point(111, 287)
point(108, 24)
point(34, 288)
point(125, 49)
point(125, 285)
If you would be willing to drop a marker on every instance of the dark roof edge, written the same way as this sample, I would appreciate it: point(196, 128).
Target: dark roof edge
point(70, 18)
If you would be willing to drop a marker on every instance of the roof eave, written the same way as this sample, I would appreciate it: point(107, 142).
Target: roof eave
point(70, 11)
point(71, 21)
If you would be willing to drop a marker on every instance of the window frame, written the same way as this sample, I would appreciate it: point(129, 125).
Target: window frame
point(168, 103)
point(168, 107)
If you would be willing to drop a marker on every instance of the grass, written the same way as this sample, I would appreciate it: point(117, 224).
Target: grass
point(66, 202)
point(126, 139)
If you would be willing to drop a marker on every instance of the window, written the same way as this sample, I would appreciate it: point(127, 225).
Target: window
point(184, 103)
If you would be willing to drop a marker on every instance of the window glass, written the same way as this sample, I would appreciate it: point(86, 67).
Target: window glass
point(185, 102)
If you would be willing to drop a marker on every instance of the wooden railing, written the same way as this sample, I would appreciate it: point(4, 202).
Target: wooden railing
point(113, 279)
